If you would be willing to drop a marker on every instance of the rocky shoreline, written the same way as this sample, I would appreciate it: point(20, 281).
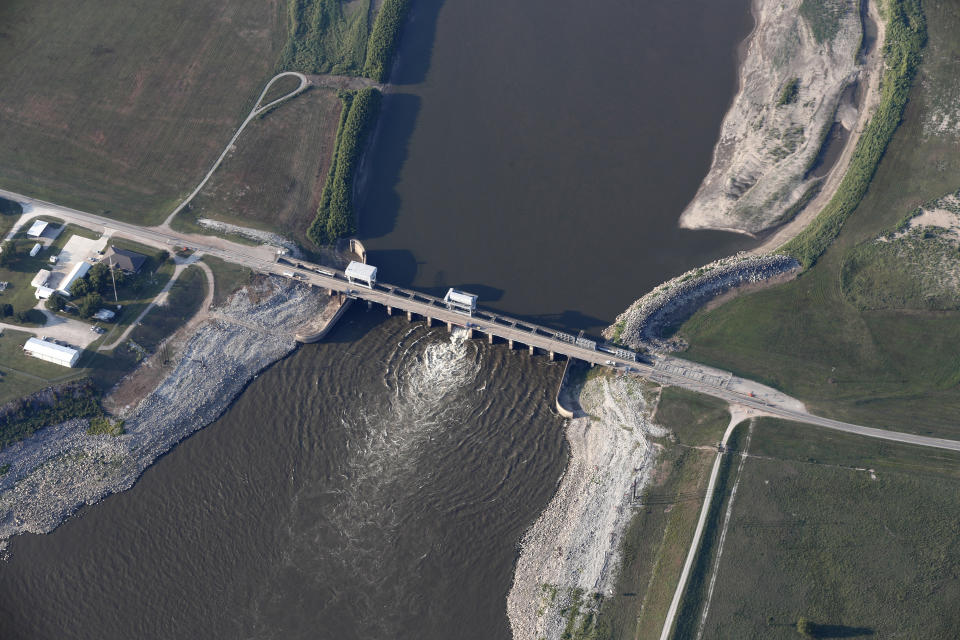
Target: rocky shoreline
point(571, 553)
point(61, 468)
point(643, 324)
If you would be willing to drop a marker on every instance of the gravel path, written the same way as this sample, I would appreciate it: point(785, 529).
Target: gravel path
point(61, 468)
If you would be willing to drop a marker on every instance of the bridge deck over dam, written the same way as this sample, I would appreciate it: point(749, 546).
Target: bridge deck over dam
point(431, 308)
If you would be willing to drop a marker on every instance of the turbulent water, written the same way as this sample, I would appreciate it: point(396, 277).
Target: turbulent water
point(374, 486)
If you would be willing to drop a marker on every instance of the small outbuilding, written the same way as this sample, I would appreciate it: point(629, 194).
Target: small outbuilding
point(36, 229)
point(461, 301)
point(42, 293)
point(51, 352)
point(363, 274)
point(129, 261)
point(36, 249)
point(42, 277)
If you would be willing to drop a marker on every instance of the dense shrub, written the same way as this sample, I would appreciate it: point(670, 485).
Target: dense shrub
point(20, 418)
point(789, 93)
point(905, 37)
point(384, 38)
point(335, 216)
point(322, 38)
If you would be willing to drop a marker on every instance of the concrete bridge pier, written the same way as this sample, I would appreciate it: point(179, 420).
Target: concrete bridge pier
point(490, 338)
point(531, 347)
point(429, 321)
point(470, 334)
point(389, 311)
point(553, 355)
point(510, 343)
point(409, 316)
point(450, 327)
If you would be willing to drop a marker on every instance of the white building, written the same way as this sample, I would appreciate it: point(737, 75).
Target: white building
point(36, 249)
point(461, 301)
point(363, 274)
point(41, 279)
point(79, 270)
point(58, 354)
point(36, 229)
point(42, 293)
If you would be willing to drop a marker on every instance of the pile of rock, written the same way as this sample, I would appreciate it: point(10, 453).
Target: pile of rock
point(643, 324)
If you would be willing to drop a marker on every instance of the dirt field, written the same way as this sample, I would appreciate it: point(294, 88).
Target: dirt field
point(273, 179)
point(120, 107)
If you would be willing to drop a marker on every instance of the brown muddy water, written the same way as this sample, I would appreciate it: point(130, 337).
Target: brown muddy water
point(377, 485)
point(543, 156)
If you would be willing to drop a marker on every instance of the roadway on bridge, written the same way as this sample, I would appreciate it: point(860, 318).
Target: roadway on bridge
point(667, 370)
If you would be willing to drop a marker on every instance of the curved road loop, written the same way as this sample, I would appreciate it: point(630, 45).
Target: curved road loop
point(256, 111)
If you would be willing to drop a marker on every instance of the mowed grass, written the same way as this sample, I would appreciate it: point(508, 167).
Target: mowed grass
point(857, 535)
point(21, 374)
point(120, 107)
point(183, 301)
point(889, 368)
point(659, 535)
point(227, 278)
point(274, 178)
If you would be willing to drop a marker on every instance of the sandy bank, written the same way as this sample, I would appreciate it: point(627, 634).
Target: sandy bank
point(575, 543)
point(61, 468)
point(769, 139)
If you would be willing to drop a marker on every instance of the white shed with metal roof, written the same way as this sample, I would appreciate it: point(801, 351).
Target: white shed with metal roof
point(79, 270)
point(36, 229)
point(51, 352)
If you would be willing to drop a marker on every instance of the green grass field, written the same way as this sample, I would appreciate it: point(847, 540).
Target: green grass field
point(183, 301)
point(227, 278)
point(857, 535)
point(121, 107)
point(897, 369)
point(21, 374)
point(657, 539)
point(274, 178)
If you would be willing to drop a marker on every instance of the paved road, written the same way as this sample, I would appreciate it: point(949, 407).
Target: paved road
point(665, 370)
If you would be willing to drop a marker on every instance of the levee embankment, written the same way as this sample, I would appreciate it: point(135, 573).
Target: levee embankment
point(60, 468)
point(646, 322)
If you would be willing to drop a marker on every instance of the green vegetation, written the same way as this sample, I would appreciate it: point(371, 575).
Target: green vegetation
point(658, 537)
point(905, 37)
point(855, 535)
point(691, 605)
point(9, 212)
point(274, 178)
point(21, 417)
point(326, 36)
point(918, 271)
point(335, 216)
point(823, 17)
point(227, 278)
point(384, 39)
point(111, 94)
point(789, 93)
point(184, 299)
point(102, 425)
point(887, 367)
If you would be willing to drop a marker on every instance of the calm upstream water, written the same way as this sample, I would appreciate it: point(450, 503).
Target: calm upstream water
point(543, 156)
point(377, 485)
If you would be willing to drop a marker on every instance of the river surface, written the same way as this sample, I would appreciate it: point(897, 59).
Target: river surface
point(539, 152)
point(377, 485)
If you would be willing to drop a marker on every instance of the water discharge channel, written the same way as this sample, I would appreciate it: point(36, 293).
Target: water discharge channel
point(376, 485)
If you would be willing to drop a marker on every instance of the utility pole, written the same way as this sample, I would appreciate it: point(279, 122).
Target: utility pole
point(115, 299)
